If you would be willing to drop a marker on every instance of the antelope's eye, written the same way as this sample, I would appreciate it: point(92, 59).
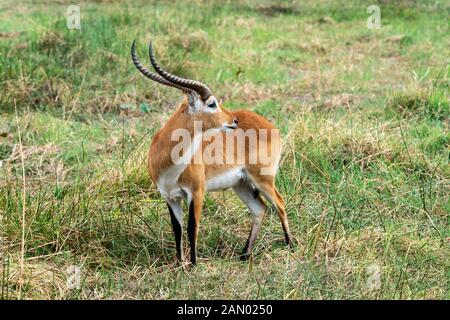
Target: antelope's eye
point(212, 105)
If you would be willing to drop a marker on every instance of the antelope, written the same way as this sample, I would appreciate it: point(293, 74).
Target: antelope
point(187, 180)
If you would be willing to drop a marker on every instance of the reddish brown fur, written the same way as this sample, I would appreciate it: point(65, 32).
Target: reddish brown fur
point(195, 176)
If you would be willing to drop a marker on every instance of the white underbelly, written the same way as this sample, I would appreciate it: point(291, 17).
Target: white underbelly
point(225, 180)
point(171, 190)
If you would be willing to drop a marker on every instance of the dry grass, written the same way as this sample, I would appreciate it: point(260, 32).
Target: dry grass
point(364, 120)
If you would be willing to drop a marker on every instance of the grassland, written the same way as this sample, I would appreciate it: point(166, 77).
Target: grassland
point(364, 116)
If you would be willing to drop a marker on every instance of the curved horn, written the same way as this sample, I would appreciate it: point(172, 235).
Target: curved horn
point(195, 85)
point(151, 75)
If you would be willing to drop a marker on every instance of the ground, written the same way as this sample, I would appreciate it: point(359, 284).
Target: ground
point(364, 116)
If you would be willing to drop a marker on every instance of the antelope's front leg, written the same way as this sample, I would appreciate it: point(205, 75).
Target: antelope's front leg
point(195, 212)
point(176, 217)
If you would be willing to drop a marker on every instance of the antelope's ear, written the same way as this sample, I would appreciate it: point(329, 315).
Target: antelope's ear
point(193, 102)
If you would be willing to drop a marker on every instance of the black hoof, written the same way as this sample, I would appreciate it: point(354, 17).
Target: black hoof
point(244, 256)
point(289, 242)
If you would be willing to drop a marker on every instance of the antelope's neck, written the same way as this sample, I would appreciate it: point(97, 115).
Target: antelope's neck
point(172, 151)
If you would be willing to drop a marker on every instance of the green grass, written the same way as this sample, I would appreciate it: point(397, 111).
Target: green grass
point(364, 116)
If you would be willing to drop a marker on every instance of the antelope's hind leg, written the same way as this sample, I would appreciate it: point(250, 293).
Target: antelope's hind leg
point(176, 217)
point(251, 198)
point(267, 188)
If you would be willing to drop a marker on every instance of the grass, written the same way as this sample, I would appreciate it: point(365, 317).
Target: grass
point(365, 121)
